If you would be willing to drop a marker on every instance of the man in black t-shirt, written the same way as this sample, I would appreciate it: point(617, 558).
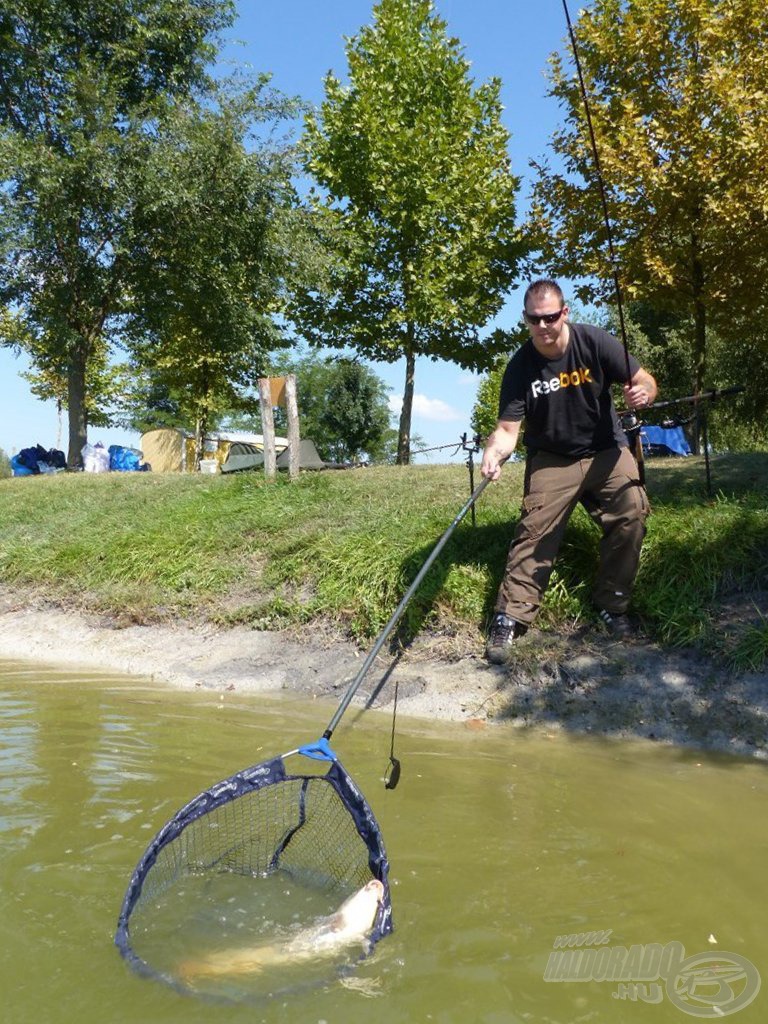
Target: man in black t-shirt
point(559, 383)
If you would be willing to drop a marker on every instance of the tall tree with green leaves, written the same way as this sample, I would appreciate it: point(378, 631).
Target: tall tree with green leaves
point(356, 412)
point(678, 91)
point(83, 86)
point(218, 239)
point(418, 200)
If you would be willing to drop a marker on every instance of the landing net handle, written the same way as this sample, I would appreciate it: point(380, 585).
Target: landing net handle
point(248, 781)
point(396, 615)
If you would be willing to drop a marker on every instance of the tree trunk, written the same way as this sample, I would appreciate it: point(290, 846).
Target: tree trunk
point(699, 343)
point(78, 422)
point(203, 420)
point(201, 428)
point(404, 435)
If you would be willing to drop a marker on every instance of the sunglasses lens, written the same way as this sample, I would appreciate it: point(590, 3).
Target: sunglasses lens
point(545, 318)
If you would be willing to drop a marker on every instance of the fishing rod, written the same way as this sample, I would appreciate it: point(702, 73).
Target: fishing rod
point(630, 423)
point(703, 396)
point(603, 195)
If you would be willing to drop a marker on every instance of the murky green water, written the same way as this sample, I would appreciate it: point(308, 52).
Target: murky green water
point(499, 843)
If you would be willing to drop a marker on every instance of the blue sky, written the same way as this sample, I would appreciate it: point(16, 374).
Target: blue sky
point(298, 41)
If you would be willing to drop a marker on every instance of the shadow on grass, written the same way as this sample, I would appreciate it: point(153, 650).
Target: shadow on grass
point(687, 568)
point(684, 481)
point(586, 683)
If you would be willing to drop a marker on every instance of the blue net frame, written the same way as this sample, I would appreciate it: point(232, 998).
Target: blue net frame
point(315, 826)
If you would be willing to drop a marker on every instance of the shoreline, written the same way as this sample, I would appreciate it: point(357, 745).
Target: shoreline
point(587, 685)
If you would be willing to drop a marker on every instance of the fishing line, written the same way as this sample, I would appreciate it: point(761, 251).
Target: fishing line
point(631, 424)
point(392, 776)
point(601, 185)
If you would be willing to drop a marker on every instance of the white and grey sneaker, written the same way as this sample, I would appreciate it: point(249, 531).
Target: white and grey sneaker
point(501, 636)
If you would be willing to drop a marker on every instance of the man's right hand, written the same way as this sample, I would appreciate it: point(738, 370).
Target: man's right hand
point(499, 447)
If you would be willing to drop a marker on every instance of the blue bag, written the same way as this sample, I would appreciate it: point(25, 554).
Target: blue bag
point(124, 460)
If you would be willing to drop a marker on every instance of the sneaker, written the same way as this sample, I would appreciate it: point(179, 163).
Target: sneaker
point(618, 624)
point(503, 632)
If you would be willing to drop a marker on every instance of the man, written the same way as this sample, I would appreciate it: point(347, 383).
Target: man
point(559, 383)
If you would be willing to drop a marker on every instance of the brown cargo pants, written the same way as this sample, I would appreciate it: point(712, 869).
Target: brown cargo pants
point(608, 486)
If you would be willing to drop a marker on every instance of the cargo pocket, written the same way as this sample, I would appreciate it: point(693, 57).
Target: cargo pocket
point(534, 521)
point(645, 502)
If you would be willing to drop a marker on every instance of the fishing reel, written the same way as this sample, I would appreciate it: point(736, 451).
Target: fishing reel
point(631, 425)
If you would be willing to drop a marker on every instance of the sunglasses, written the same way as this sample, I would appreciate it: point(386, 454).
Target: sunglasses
point(545, 318)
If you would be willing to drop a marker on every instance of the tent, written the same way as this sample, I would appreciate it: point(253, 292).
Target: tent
point(169, 450)
point(664, 441)
point(308, 457)
point(242, 456)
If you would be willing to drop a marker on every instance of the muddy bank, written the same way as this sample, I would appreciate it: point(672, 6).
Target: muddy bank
point(585, 684)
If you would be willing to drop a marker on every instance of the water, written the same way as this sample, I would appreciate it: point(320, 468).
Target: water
point(500, 841)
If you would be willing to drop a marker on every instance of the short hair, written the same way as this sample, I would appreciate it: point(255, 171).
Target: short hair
point(539, 288)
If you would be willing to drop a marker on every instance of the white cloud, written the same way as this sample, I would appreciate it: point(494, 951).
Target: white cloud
point(428, 409)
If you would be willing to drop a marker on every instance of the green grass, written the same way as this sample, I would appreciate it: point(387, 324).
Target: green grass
point(340, 548)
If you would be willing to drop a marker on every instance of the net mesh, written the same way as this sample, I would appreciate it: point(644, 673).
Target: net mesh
point(250, 860)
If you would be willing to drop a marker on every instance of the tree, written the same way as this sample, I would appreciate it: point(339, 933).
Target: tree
point(83, 87)
point(418, 200)
point(485, 411)
point(679, 97)
point(342, 406)
point(212, 257)
point(356, 415)
point(148, 404)
point(661, 341)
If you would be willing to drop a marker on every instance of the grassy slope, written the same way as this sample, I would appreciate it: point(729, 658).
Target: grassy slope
point(342, 547)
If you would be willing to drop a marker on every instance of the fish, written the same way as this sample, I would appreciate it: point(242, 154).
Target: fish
point(349, 925)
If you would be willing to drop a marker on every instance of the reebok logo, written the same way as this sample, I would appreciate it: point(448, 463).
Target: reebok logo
point(564, 380)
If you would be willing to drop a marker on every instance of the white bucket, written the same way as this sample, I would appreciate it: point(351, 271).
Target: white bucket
point(209, 466)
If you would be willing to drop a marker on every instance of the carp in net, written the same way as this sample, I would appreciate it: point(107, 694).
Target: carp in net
point(193, 917)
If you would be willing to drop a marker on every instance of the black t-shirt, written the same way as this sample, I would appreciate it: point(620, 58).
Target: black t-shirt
point(566, 402)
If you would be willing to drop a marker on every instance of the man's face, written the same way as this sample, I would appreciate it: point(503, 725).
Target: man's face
point(546, 319)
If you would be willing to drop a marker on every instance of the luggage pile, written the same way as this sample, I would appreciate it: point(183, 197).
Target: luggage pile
point(96, 459)
point(34, 461)
point(116, 458)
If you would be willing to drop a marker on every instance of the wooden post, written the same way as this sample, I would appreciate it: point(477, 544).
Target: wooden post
point(267, 428)
point(294, 436)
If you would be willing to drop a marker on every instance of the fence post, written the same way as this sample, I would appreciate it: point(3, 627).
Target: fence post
point(267, 428)
point(294, 436)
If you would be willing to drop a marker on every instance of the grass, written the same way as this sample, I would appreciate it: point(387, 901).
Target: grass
point(339, 549)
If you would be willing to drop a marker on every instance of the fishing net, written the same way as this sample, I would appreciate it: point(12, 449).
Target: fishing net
point(220, 901)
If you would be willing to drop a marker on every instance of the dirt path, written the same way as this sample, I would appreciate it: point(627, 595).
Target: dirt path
point(589, 685)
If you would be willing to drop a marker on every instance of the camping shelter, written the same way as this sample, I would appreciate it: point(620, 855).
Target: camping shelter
point(308, 457)
point(170, 450)
point(243, 455)
point(664, 440)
